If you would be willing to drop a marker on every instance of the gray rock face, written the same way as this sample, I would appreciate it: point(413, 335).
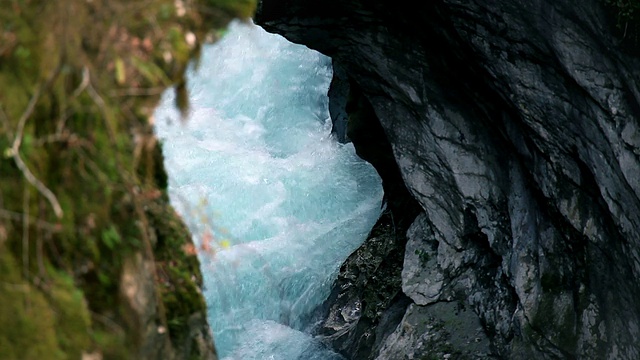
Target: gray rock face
point(515, 125)
point(368, 286)
point(422, 277)
point(338, 98)
point(444, 330)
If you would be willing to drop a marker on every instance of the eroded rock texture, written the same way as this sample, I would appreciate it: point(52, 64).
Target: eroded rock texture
point(515, 125)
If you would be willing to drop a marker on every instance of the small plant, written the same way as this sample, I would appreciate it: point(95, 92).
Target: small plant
point(628, 14)
point(423, 256)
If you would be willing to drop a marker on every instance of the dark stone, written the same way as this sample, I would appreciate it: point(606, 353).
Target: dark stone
point(338, 97)
point(367, 293)
point(515, 126)
point(366, 301)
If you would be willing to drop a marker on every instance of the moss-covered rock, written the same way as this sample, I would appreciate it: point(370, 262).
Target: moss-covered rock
point(86, 229)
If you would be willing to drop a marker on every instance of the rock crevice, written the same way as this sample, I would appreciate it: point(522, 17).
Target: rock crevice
point(514, 125)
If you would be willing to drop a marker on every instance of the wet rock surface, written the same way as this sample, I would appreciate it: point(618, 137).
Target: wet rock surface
point(514, 124)
point(366, 302)
point(445, 330)
point(368, 285)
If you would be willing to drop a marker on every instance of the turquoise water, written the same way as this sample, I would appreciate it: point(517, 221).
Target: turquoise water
point(274, 203)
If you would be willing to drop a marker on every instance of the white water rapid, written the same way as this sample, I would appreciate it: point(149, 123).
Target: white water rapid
point(274, 203)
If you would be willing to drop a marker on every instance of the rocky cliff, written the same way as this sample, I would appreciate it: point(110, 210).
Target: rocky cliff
point(515, 125)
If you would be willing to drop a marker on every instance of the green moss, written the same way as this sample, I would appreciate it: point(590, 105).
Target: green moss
point(112, 345)
point(94, 71)
point(27, 319)
point(245, 8)
point(423, 256)
point(559, 329)
point(72, 320)
point(179, 270)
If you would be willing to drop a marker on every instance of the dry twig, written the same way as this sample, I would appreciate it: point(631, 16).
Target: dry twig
point(16, 216)
point(14, 151)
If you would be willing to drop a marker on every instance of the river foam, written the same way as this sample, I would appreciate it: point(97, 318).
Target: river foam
point(274, 203)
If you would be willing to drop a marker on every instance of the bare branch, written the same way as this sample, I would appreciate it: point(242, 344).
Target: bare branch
point(65, 137)
point(108, 322)
point(48, 194)
point(16, 216)
point(98, 100)
point(83, 85)
point(64, 115)
point(51, 138)
point(14, 152)
point(138, 91)
point(17, 141)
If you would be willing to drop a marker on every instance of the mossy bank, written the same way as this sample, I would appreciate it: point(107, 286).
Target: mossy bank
point(93, 260)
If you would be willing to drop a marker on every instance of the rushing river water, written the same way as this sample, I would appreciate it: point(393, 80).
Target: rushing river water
point(274, 203)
